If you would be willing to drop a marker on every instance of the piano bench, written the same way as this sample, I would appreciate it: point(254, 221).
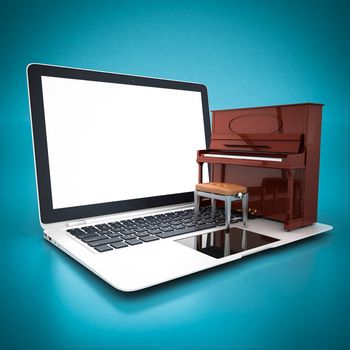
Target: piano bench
point(222, 191)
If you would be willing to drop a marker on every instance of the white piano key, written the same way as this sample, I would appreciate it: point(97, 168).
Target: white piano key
point(243, 157)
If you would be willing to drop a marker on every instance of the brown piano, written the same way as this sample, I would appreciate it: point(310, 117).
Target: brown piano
point(275, 152)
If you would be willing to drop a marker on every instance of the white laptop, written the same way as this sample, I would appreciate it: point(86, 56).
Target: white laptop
point(115, 159)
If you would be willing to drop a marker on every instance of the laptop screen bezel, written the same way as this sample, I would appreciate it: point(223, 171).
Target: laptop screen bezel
point(47, 213)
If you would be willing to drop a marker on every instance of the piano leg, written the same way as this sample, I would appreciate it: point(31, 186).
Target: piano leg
point(290, 191)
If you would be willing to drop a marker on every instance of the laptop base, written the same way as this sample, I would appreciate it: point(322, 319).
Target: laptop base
point(138, 267)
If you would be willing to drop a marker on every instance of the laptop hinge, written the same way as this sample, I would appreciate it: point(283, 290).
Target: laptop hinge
point(76, 223)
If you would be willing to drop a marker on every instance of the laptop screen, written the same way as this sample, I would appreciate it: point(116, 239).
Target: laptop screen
point(125, 144)
point(111, 142)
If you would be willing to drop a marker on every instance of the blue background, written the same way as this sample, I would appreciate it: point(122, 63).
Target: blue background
point(248, 53)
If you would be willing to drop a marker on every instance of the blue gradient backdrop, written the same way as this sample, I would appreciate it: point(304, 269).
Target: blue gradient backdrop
point(248, 53)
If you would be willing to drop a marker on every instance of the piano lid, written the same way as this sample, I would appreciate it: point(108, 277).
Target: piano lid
point(275, 106)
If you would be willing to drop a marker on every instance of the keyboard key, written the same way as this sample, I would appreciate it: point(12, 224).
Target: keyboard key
point(129, 223)
point(118, 245)
point(93, 238)
point(153, 227)
point(142, 234)
point(115, 225)
point(153, 232)
point(128, 232)
point(133, 241)
point(122, 231)
point(103, 248)
point(92, 231)
point(129, 237)
point(140, 229)
point(149, 238)
point(167, 229)
point(104, 241)
point(185, 230)
point(189, 224)
point(102, 227)
point(177, 226)
point(117, 239)
point(138, 220)
point(104, 232)
point(72, 230)
point(89, 228)
point(76, 232)
point(84, 234)
point(141, 225)
point(113, 234)
point(114, 230)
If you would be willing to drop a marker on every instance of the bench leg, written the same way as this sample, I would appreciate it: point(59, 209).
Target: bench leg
point(245, 209)
point(196, 205)
point(228, 202)
point(213, 207)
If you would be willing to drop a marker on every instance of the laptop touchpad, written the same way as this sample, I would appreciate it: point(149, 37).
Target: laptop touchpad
point(219, 244)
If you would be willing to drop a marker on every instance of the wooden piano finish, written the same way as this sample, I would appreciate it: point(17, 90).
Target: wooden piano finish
point(275, 152)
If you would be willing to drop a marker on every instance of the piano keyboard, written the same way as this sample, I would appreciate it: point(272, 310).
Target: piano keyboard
point(271, 159)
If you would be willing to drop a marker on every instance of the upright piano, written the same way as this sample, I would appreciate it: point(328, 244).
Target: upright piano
point(275, 152)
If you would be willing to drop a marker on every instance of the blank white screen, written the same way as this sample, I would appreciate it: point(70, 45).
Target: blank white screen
point(110, 142)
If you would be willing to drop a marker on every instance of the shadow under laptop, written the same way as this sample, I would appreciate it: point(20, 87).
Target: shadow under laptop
point(228, 278)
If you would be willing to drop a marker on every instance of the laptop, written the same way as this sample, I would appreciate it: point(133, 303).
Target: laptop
point(115, 160)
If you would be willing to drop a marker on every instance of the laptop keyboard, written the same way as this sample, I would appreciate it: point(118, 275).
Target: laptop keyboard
point(126, 233)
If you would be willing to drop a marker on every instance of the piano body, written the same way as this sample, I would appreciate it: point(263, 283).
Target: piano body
point(275, 152)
